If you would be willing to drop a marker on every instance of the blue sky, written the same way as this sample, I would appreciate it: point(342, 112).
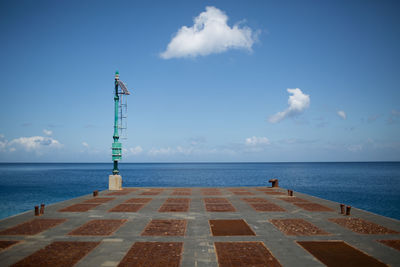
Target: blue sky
point(211, 80)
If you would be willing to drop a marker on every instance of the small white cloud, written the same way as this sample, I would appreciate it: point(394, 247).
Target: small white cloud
point(209, 34)
point(35, 143)
point(1, 136)
point(298, 102)
point(161, 151)
point(136, 150)
point(342, 114)
point(355, 148)
point(254, 141)
point(47, 132)
point(85, 144)
point(12, 149)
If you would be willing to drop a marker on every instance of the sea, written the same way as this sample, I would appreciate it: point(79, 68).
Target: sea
point(371, 186)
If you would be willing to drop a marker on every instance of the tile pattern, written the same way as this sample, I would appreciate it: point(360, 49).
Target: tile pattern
point(312, 206)
point(196, 231)
point(236, 254)
point(297, 227)
point(80, 207)
point(391, 243)
point(98, 227)
point(361, 226)
point(60, 253)
point(98, 200)
point(218, 205)
point(165, 228)
point(261, 204)
point(32, 227)
point(182, 192)
point(128, 207)
point(154, 254)
point(175, 205)
point(230, 228)
point(7, 243)
point(338, 253)
point(211, 192)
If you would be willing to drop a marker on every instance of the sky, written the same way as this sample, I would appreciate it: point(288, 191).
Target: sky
point(210, 81)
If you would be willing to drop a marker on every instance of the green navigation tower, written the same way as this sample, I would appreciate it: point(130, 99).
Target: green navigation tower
point(115, 180)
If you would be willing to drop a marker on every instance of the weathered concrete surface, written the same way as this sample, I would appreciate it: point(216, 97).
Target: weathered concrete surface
point(114, 182)
point(192, 227)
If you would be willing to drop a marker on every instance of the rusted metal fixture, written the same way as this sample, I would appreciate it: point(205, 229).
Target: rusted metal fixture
point(290, 193)
point(37, 211)
point(41, 209)
point(342, 209)
point(274, 182)
point(348, 208)
point(95, 193)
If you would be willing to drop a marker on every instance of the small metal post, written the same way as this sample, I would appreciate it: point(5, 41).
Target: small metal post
point(41, 209)
point(95, 193)
point(348, 208)
point(274, 182)
point(36, 210)
point(342, 209)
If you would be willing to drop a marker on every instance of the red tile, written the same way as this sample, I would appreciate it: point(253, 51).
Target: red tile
point(230, 228)
point(338, 253)
point(297, 227)
point(60, 253)
point(98, 227)
point(391, 243)
point(240, 254)
point(165, 228)
point(312, 206)
point(32, 227)
point(362, 227)
point(99, 200)
point(153, 254)
point(4, 244)
point(127, 208)
point(79, 207)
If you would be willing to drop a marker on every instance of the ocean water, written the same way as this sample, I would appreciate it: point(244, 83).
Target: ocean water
point(372, 186)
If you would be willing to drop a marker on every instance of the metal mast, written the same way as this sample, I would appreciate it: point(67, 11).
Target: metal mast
point(116, 146)
point(120, 89)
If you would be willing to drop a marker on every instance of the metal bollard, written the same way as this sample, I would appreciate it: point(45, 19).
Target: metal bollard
point(348, 208)
point(95, 193)
point(342, 209)
point(41, 209)
point(274, 182)
point(36, 210)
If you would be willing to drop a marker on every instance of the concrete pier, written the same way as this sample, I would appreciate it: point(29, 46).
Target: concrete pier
point(246, 226)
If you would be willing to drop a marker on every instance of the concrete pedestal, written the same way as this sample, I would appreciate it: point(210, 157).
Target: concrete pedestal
point(115, 182)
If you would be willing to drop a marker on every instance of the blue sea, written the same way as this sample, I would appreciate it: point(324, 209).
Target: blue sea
point(372, 186)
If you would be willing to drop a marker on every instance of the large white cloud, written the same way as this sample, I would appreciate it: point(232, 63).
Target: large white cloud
point(35, 143)
point(298, 102)
point(209, 34)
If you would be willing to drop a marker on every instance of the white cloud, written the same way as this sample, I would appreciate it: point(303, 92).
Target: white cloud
point(161, 151)
point(254, 141)
point(342, 114)
point(298, 102)
point(35, 143)
point(209, 34)
point(85, 144)
point(136, 150)
point(47, 132)
point(355, 148)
